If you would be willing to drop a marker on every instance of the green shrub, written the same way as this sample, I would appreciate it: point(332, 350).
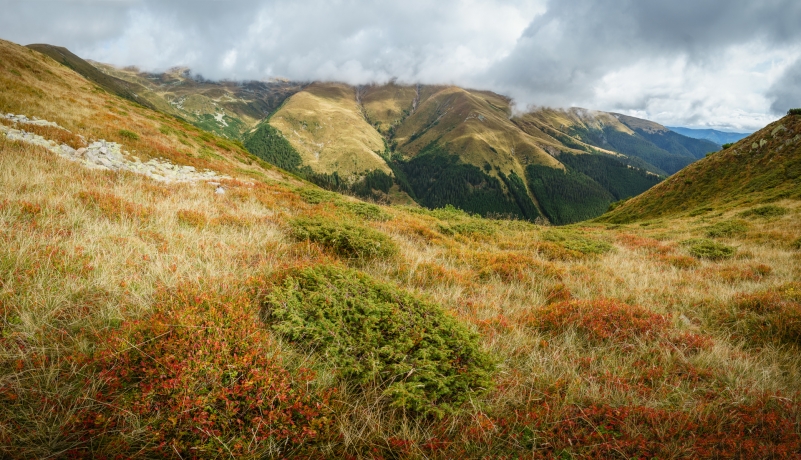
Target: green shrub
point(128, 134)
point(471, 227)
point(708, 249)
point(448, 212)
point(725, 146)
point(366, 210)
point(576, 242)
point(343, 238)
point(764, 211)
point(317, 196)
point(727, 229)
point(796, 244)
point(794, 112)
point(372, 333)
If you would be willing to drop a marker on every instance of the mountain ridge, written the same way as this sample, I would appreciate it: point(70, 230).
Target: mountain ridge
point(714, 135)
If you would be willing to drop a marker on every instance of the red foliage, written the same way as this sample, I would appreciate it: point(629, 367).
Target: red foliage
point(647, 244)
point(510, 266)
point(773, 315)
point(601, 319)
point(733, 274)
point(114, 207)
point(202, 376)
point(681, 262)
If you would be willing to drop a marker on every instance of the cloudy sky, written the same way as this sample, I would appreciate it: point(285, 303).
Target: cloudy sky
point(730, 64)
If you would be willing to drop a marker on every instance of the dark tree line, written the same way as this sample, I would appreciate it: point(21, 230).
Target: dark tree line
point(567, 196)
point(439, 178)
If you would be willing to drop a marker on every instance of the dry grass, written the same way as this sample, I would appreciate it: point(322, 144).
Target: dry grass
point(641, 351)
point(325, 125)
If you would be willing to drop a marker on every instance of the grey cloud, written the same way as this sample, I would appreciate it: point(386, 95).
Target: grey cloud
point(598, 54)
point(565, 51)
point(76, 23)
point(786, 92)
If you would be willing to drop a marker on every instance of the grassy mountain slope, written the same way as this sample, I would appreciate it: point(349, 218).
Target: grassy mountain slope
point(647, 145)
point(109, 83)
point(450, 145)
point(386, 106)
point(325, 125)
point(460, 147)
point(668, 140)
point(278, 320)
point(474, 125)
point(763, 167)
point(226, 108)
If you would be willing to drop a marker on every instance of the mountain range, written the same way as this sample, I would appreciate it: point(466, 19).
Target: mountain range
point(433, 145)
point(718, 137)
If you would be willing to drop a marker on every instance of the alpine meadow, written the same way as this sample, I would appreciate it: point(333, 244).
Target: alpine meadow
point(278, 268)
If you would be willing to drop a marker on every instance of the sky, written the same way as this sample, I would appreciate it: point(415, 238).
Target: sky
point(727, 64)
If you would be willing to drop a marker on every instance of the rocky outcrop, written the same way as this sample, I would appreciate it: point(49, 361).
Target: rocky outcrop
point(105, 155)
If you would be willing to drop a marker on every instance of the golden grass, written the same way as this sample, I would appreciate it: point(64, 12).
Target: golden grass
point(325, 125)
point(387, 105)
point(477, 128)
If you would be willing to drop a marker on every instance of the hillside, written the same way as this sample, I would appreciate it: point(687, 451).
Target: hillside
point(648, 145)
point(228, 109)
point(761, 168)
point(324, 124)
point(165, 293)
point(713, 135)
point(111, 84)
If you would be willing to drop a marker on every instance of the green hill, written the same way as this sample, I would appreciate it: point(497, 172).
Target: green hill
point(764, 167)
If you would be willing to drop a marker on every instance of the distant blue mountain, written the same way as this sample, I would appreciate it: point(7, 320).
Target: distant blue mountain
point(718, 137)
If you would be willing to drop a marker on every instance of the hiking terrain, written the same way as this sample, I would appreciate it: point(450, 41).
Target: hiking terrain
point(166, 292)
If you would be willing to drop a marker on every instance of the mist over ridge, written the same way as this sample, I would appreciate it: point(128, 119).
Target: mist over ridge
point(724, 65)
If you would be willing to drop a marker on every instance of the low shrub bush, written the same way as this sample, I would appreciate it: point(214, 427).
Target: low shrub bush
point(707, 249)
point(365, 210)
point(372, 333)
point(317, 196)
point(344, 239)
point(680, 262)
point(201, 378)
point(128, 134)
point(192, 218)
point(114, 207)
point(469, 227)
point(768, 316)
point(764, 211)
point(727, 229)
